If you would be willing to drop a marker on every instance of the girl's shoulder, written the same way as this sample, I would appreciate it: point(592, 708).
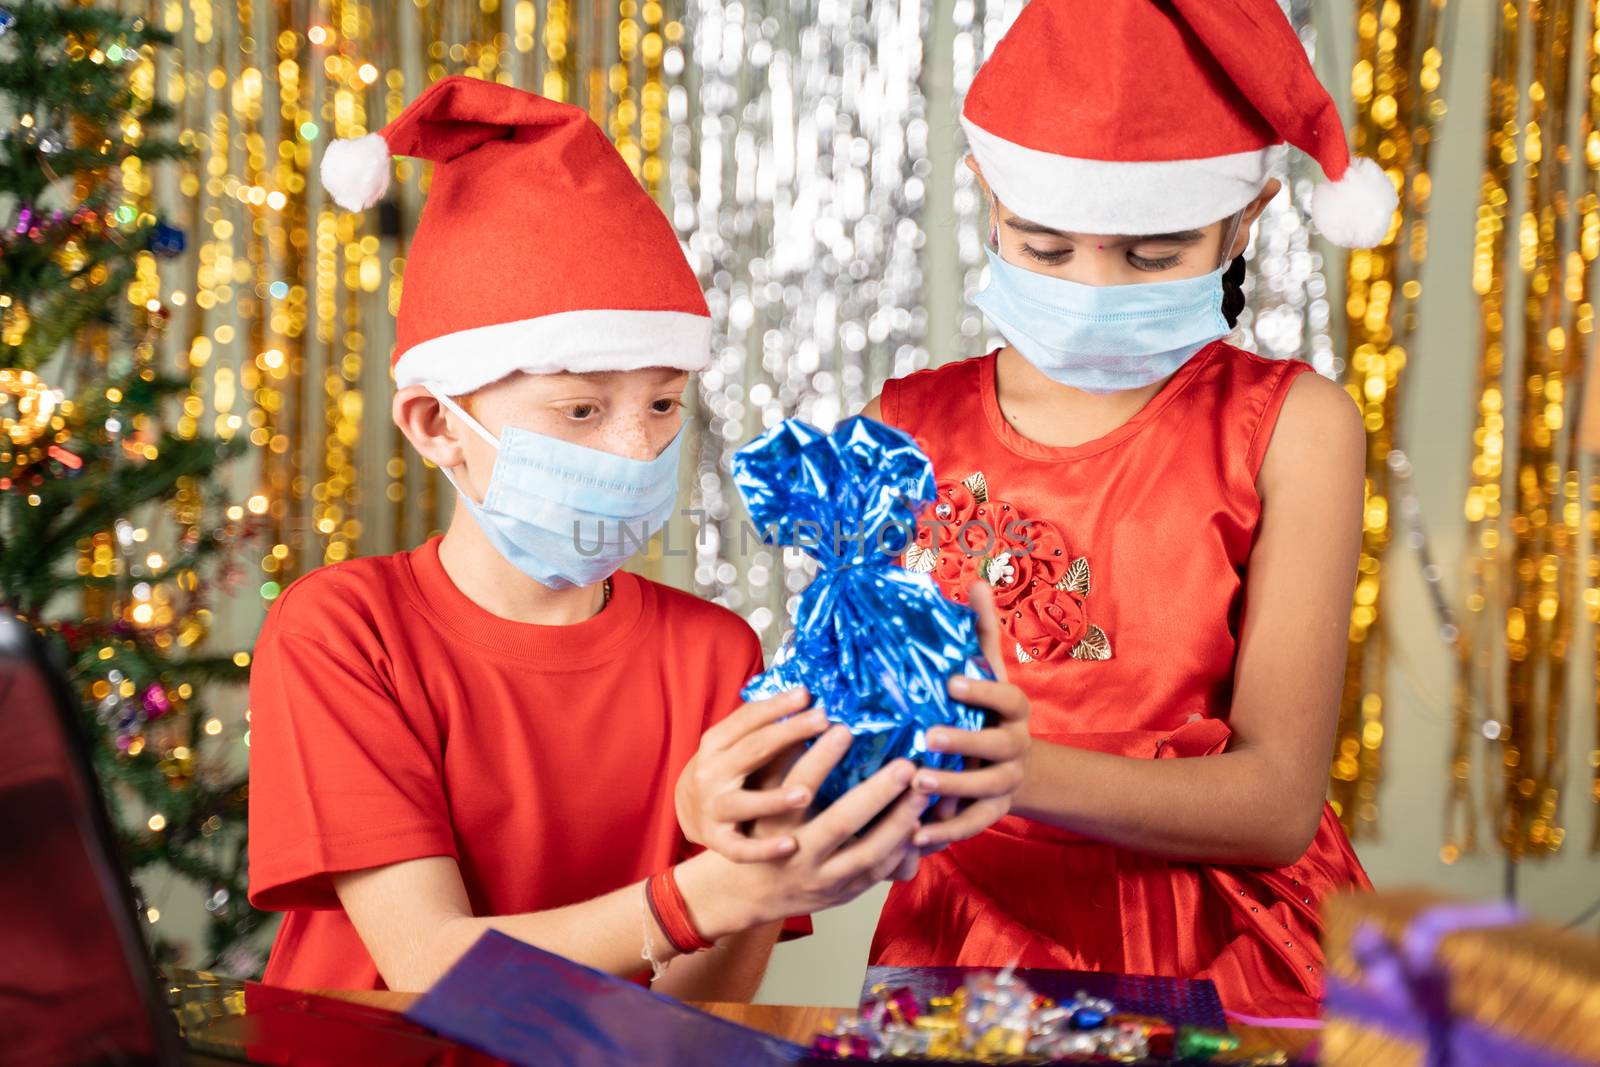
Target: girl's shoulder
point(1260, 400)
point(1319, 423)
point(949, 383)
point(1247, 371)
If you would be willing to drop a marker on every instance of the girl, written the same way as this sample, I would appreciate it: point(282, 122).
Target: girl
point(1169, 525)
point(1176, 521)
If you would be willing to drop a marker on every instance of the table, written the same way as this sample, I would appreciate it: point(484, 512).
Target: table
point(799, 1024)
point(198, 997)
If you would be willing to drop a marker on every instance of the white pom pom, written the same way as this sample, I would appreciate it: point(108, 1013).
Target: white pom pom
point(355, 171)
point(1356, 210)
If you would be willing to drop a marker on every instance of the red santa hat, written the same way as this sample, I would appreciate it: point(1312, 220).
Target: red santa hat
point(537, 249)
point(1152, 116)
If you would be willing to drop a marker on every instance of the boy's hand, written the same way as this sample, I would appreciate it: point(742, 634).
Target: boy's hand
point(972, 800)
point(712, 801)
point(839, 857)
point(806, 770)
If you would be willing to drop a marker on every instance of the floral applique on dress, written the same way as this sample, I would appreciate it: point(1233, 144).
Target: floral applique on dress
point(1040, 588)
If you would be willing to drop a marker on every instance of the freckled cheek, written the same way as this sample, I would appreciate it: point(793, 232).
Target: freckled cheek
point(663, 430)
point(637, 437)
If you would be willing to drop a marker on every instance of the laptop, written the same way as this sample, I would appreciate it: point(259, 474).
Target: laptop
point(77, 985)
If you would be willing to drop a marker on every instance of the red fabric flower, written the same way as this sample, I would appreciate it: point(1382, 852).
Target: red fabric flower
point(955, 571)
point(952, 513)
point(990, 539)
point(1035, 552)
point(1048, 622)
point(967, 536)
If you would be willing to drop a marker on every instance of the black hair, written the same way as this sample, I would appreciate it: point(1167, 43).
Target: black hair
point(1233, 291)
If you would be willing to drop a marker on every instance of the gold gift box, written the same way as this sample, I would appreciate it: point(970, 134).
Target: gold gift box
point(1530, 982)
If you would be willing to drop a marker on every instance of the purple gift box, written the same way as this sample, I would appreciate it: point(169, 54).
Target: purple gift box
point(1418, 979)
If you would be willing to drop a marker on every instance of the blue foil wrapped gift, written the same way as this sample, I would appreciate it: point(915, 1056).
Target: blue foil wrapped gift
point(873, 643)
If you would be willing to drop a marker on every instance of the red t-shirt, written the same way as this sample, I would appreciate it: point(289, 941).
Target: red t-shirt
point(393, 718)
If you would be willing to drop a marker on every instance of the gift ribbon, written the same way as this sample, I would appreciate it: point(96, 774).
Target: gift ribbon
point(1403, 991)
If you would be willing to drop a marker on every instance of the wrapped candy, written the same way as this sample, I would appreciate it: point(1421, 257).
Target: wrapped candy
point(873, 642)
point(995, 1017)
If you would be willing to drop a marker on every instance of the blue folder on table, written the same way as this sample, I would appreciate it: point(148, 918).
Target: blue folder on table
point(527, 1006)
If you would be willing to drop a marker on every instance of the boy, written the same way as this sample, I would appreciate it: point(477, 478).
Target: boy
point(485, 732)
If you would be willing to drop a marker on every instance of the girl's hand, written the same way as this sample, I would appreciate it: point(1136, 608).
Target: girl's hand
point(712, 802)
point(972, 800)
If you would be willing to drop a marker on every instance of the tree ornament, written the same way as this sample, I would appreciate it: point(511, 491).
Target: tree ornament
point(26, 403)
point(156, 703)
point(166, 240)
point(71, 257)
point(218, 899)
point(14, 322)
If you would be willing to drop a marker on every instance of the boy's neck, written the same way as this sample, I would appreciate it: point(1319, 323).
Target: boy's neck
point(489, 580)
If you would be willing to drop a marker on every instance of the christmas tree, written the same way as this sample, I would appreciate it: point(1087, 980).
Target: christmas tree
point(113, 529)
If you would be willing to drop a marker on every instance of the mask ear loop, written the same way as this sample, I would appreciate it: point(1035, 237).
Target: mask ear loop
point(1233, 235)
point(460, 413)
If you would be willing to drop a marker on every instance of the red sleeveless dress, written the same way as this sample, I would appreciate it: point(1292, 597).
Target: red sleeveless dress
point(1121, 623)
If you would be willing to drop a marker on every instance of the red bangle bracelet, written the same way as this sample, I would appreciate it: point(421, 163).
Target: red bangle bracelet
point(672, 913)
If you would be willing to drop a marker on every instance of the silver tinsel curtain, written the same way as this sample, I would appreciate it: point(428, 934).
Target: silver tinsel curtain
point(817, 179)
point(798, 177)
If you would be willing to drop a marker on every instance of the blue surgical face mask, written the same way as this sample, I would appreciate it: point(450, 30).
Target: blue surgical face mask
point(1104, 338)
point(566, 515)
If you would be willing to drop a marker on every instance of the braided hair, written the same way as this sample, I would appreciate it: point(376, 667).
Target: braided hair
point(1233, 291)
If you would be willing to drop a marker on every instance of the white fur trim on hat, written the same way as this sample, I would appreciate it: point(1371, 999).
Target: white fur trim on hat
point(1356, 210)
point(1102, 196)
point(575, 342)
point(355, 171)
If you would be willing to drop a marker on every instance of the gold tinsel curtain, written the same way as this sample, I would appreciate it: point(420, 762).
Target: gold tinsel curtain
point(281, 310)
point(1395, 84)
point(1538, 233)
